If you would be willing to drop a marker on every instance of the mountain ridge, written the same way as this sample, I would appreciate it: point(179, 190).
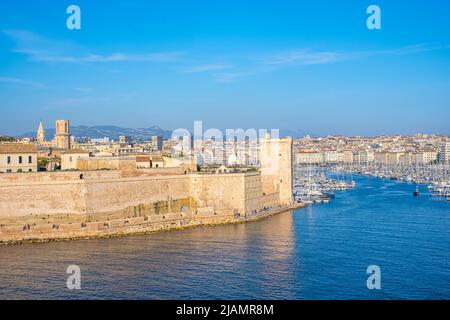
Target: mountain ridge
point(113, 132)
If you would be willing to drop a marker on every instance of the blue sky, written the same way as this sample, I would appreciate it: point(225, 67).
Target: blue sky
point(309, 66)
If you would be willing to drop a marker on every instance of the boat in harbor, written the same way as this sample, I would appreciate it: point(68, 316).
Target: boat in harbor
point(329, 195)
point(309, 196)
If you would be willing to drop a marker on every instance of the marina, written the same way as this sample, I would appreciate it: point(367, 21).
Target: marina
point(318, 183)
point(315, 185)
point(436, 177)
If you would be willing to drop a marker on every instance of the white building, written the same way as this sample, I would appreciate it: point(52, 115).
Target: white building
point(15, 157)
point(308, 157)
point(444, 153)
point(69, 158)
point(364, 156)
point(332, 156)
point(104, 140)
point(425, 157)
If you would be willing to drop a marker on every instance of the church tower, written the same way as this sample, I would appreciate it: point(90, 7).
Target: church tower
point(62, 135)
point(40, 137)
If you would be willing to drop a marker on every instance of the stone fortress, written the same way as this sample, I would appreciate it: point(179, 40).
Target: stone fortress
point(46, 206)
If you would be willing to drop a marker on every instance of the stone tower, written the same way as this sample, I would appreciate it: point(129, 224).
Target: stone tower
point(40, 137)
point(276, 167)
point(62, 135)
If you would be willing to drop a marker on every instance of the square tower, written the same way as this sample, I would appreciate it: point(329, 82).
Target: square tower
point(62, 135)
point(276, 167)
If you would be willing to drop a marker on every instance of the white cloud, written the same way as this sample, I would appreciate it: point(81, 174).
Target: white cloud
point(301, 57)
point(205, 68)
point(226, 77)
point(68, 102)
point(84, 90)
point(11, 80)
point(39, 48)
point(310, 57)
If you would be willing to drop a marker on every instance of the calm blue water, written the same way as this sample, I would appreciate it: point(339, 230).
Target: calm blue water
point(320, 252)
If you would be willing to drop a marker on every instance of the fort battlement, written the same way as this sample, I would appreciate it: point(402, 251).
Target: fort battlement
point(90, 200)
point(82, 203)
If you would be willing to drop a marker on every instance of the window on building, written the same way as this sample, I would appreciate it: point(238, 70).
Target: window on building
point(20, 159)
point(30, 159)
point(8, 170)
point(9, 160)
point(30, 170)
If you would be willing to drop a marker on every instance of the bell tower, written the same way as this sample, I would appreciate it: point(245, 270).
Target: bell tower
point(62, 135)
point(40, 137)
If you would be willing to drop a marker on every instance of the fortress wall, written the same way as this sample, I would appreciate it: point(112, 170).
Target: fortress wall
point(87, 175)
point(162, 171)
point(115, 191)
point(237, 191)
point(38, 177)
point(44, 206)
point(50, 193)
point(255, 200)
point(105, 163)
point(107, 195)
point(220, 191)
point(262, 202)
point(34, 198)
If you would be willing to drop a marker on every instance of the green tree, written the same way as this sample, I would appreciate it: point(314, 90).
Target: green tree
point(7, 139)
point(43, 163)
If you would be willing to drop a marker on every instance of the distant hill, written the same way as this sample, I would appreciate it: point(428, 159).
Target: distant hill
point(112, 132)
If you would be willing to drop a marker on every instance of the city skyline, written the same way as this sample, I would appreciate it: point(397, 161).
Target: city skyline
point(311, 68)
